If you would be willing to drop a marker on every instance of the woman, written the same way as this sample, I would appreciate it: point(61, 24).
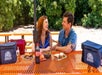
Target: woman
point(44, 37)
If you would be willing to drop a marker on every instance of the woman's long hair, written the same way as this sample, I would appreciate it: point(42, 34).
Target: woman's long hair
point(40, 26)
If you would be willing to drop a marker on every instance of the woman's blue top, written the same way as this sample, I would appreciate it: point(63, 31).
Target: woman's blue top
point(47, 42)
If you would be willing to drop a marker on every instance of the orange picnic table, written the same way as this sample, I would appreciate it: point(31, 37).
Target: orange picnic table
point(71, 65)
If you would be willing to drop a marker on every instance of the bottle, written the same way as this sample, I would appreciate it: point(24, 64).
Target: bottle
point(18, 54)
point(37, 53)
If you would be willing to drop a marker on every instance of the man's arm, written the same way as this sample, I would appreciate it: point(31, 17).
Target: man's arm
point(66, 49)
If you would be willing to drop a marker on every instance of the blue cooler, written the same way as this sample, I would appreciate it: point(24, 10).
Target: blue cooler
point(91, 53)
point(8, 53)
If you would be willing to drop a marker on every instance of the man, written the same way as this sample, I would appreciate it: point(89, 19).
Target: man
point(67, 36)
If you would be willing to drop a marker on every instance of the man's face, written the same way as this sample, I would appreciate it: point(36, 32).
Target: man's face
point(65, 24)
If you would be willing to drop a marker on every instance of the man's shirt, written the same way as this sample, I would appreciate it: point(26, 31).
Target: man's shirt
point(71, 39)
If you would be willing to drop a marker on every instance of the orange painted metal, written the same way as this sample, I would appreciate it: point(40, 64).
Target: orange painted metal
point(71, 65)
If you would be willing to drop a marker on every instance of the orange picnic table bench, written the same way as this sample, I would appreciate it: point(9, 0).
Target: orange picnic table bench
point(21, 35)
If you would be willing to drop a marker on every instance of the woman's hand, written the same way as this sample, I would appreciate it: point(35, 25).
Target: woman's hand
point(48, 48)
point(45, 49)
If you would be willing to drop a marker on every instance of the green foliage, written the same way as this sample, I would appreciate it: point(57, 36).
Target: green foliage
point(94, 19)
point(17, 12)
point(54, 9)
point(17, 5)
point(6, 15)
point(58, 25)
point(82, 8)
point(24, 12)
point(1, 21)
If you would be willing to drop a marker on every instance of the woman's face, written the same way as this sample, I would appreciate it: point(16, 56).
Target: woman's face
point(45, 25)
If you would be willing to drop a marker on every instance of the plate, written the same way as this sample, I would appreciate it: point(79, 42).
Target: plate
point(60, 56)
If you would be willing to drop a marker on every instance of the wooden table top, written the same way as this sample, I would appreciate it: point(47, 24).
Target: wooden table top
point(69, 66)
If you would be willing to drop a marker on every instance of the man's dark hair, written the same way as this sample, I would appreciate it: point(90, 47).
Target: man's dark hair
point(70, 17)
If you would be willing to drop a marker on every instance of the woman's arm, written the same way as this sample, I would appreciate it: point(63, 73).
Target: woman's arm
point(45, 49)
point(50, 41)
point(41, 49)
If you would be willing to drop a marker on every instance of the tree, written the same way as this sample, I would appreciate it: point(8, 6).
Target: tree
point(6, 14)
point(54, 9)
point(82, 8)
point(94, 19)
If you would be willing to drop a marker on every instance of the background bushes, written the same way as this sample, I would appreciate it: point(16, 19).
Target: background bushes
point(94, 18)
point(13, 13)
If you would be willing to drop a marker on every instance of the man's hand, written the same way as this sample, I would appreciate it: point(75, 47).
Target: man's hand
point(68, 48)
point(53, 48)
